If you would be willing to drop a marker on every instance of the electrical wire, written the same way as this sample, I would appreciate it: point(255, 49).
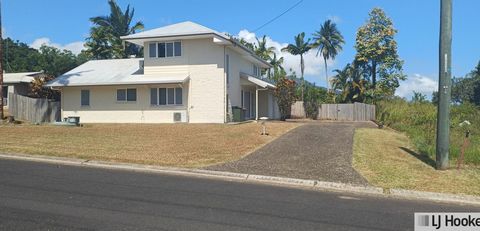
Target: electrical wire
point(278, 16)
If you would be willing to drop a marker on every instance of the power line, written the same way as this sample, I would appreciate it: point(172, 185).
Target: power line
point(278, 16)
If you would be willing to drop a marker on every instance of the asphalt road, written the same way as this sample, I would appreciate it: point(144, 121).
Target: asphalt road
point(37, 196)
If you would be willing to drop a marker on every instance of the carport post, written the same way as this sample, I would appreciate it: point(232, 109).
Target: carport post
point(256, 103)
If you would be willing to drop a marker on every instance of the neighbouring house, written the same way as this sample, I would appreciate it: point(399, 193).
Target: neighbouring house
point(17, 83)
point(190, 73)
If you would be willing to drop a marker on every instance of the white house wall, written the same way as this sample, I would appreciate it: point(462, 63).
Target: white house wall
point(201, 60)
point(104, 107)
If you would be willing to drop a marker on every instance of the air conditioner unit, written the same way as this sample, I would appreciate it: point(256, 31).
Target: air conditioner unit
point(179, 117)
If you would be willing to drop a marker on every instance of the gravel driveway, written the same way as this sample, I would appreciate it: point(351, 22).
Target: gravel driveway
point(316, 150)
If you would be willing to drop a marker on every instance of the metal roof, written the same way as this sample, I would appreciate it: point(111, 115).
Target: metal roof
point(257, 81)
point(24, 77)
point(178, 29)
point(111, 72)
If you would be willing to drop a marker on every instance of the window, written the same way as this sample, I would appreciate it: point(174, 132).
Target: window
point(166, 96)
point(165, 49)
point(178, 49)
point(227, 67)
point(153, 50)
point(85, 97)
point(256, 71)
point(161, 50)
point(129, 94)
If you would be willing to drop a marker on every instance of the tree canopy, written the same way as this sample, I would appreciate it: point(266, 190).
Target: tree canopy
point(377, 54)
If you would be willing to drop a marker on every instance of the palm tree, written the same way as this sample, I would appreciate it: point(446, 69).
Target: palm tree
point(299, 48)
point(350, 83)
point(328, 41)
point(262, 50)
point(118, 24)
point(276, 66)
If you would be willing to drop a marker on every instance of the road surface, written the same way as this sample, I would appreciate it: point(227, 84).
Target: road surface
point(39, 196)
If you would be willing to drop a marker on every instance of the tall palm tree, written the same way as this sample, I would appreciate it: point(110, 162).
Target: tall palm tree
point(299, 48)
point(328, 40)
point(276, 66)
point(118, 24)
point(262, 50)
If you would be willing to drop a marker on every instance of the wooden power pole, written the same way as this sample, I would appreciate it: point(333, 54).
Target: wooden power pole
point(1, 66)
point(444, 85)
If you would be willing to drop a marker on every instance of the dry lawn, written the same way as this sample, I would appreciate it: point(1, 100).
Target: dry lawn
point(180, 145)
point(387, 159)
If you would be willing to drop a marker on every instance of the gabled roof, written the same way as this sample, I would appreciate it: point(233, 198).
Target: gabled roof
point(111, 72)
point(24, 77)
point(178, 29)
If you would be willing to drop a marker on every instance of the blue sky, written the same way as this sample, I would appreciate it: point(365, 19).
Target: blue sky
point(65, 24)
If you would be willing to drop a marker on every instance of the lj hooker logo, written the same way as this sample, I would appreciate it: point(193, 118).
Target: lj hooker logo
point(447, 221)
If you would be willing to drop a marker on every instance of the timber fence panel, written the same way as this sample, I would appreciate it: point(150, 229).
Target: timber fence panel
point(342, 112)
point(33, 109)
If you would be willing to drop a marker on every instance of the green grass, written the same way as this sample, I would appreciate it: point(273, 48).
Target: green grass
point(388, 159)
point(418, 121)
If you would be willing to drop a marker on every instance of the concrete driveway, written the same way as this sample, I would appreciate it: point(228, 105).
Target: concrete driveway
point(316, 150)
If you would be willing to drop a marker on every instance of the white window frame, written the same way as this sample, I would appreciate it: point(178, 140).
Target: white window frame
point(165, 42)
point(126, 95)
point(166, 97)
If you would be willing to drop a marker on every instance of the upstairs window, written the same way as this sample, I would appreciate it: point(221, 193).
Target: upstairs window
point(127, 95)
point(166, 96)
point(256, 71)
point(165, 49)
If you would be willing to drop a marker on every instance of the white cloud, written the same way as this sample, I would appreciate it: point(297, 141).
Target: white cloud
point(75, 47)
point(418, 83)
point(336, 19)
point(313, 65)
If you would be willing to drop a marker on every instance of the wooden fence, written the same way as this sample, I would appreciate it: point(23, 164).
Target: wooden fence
point(342, 112)
point(33, 110)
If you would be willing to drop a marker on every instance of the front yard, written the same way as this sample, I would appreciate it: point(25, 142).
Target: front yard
point(179, 145)
point(387, 159)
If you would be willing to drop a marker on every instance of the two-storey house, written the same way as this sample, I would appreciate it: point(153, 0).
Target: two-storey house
point(189, 73)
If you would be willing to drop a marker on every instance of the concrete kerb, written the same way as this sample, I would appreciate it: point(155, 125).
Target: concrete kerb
point(271, 180)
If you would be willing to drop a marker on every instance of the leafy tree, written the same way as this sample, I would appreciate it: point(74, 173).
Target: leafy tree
point(285, 95)
point(105, 41)
point(467, 89)
point(19, 57)
point(276, 66)
point(377, 54)
point(328, 40)
point(418, 97)
point(55, 61)
point(311, 101)
point(38, 91)
point(299, 48)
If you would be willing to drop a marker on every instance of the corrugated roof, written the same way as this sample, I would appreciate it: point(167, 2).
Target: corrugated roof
point(111, 72)
point(257, 81)
point(178, 29)
point(24, 77)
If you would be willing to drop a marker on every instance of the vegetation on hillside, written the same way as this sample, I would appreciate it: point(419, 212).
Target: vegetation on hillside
point(418, 121)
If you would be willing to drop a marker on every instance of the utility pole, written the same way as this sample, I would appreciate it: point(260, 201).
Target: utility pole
point(1, 65)
point(444, 85)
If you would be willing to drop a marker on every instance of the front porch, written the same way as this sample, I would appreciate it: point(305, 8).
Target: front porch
point(257, 98)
